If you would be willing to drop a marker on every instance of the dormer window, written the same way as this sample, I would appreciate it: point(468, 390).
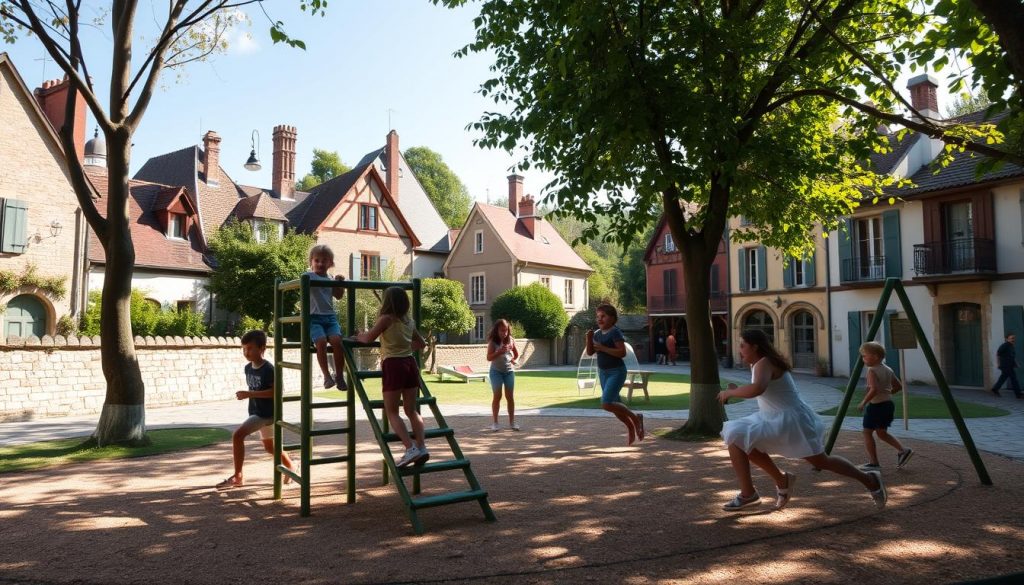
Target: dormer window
point(176, 226)
point(670, 245)
point(368, 217)
point(262, 228)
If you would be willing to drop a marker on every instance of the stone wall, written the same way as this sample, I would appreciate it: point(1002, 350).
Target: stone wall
point(56, 376)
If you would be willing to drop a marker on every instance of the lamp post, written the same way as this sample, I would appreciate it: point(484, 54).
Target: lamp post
point(253, 164)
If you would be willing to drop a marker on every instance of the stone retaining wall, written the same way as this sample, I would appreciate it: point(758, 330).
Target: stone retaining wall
point(57, 376)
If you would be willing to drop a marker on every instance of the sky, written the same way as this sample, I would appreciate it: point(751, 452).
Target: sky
point(365, 61)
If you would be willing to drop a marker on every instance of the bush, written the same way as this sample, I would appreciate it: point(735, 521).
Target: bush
point(147, 318)
point(538, 310)
point(66, 326)
point(247, 323)
point(517, 330)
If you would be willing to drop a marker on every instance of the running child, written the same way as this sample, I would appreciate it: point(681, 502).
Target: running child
point(323, 321)
point(399, 339)
point(882, 384)
point(610, 346)
point(502, 353)
point(259, 378)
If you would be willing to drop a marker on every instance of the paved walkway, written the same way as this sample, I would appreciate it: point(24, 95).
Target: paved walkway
point(1000, 435)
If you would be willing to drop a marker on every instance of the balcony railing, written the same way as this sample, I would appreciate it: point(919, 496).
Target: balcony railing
point(677, 302)
point(861, 268)
point(962, 256)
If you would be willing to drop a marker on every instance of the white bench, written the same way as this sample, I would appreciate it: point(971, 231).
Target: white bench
point(464, 373)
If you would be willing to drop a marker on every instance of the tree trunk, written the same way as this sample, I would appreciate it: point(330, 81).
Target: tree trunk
point(706, 414)
point(123, 419)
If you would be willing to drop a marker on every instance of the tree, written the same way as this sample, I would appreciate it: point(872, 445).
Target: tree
point(538, 309)
point(443, 186)
point(641, 107)
point(190, 31)
point(325, 166)
point(967, 104)
point(245, 269)
point(443, 309)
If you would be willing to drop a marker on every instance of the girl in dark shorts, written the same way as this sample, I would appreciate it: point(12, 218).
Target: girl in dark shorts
point(399, 340)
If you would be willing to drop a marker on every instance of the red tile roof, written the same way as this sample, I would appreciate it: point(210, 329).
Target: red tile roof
point(547, 247)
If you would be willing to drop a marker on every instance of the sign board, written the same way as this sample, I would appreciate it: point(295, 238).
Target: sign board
point(902, 333)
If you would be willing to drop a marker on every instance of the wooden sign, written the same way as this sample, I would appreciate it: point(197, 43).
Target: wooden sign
point(902, 333)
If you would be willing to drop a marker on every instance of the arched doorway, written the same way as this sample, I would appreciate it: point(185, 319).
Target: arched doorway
point(761, 321)
point(805, 356)
point(25, 316)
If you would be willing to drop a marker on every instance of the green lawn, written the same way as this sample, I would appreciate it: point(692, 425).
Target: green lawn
point(924, 407)
point(549, 389)
point(52, 453)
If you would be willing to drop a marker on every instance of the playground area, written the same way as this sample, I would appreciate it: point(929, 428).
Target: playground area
point(573, 503)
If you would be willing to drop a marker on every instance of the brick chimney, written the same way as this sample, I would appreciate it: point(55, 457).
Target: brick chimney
point(283, 172)
point(211, 157)
point(527, 214)
point(393, 172)
point(923, 95)
point(52, 97)
point(515, 193)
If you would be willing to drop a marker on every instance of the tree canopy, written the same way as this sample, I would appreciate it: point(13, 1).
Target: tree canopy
point(443, 186)
point(536, 308)
point(443, 310)
point(325, 166)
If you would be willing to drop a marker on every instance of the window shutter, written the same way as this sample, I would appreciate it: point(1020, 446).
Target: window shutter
point(14, 226)
point(809, 272)
point(891, 243)
point(892, 355)
point(1013, 323)
point(742, 263)
point(853, 334)
point(383, 267)
point(356, 267)
point(846, 271)
point(787, 273)
point(762, 264)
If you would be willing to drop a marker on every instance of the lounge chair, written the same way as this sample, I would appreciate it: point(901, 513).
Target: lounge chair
point(464, 373)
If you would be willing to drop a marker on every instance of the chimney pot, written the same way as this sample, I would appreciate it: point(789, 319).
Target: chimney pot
point(924, 95)
point(393, 156)
point(211, 156)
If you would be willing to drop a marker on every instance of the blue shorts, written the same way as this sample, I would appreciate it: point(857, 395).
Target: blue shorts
point(880, 415)
point(499, 379)
point(321, 326)
point(612, 380)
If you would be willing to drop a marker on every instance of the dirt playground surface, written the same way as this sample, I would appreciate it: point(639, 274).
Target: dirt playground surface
point(574, 504)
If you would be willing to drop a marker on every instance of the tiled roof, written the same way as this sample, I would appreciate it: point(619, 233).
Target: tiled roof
point(152, 248)
point(961, 172)
point(308, 214)
point(546, 247)
point(884, 163)
point(285, 205)
point(261, 206)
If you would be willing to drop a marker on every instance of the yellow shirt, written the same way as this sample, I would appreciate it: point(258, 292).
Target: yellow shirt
point(396, 341)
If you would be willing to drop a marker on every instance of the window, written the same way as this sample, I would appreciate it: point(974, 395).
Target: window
point(751, 264)
point(479, 328)
point(13, 226)
point(870, 261)
point(176, 226)
point(186, 306)
point(670, 246)
point(744, 221)
point(546, 281)
point(752, 270)
point(799, 272)
point(262, 228)
point(478, 242)
point(569, 290)
point(370, 268)
point(761, 321)
point(477, 289)
point(368, 217)
point(804, 356)
point(715, 285)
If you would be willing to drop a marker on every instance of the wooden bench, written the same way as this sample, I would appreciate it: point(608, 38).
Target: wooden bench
point(464, 373)
point(637, 380)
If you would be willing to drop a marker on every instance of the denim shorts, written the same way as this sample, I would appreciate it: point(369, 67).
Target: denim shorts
point(611, 380)
point(321, 326)
point(499, 379)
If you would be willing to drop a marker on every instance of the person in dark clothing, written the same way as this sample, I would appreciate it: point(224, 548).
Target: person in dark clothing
point(1006, 361)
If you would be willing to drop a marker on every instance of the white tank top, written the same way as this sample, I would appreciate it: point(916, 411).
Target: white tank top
point(884, 376)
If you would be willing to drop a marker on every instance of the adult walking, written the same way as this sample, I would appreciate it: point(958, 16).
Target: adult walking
point(1006, 361)
point(670, 345)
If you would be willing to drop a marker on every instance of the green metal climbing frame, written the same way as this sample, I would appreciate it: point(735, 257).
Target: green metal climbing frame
point(355, 377)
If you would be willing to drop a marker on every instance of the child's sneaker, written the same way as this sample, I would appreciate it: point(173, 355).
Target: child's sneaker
point(515, 427)
point(902, 457)
point(410, 455)
point(422, 456)
point(739, 502)
point(879, 496)
point(328, 382)
point(870, 467)
point(495, 427)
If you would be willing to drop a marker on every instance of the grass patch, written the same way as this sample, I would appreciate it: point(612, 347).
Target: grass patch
point(548, 390)
point(924, 407)
point(75, 450)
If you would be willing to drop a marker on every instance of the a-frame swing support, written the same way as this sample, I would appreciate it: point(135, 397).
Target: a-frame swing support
point(894, 284)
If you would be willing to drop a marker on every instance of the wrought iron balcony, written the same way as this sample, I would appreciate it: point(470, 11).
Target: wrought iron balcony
point(961, 256)
point(862, 268)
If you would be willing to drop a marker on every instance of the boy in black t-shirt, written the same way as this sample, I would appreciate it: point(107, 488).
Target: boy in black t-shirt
point(259, 377)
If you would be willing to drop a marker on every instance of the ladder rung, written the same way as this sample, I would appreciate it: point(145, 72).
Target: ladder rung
point(335, 459)
point(292, 446)
point(292, 365)
point(329, 404)
point(428, 433)
point(292, 398)
point(434, 467)
point(358, 344)
point(293, 344)
point(290, 473)
point(420, 400)
point(443, 499)
point(324, 432)
point(367, 374)
point(297, 429)
point(292, 319)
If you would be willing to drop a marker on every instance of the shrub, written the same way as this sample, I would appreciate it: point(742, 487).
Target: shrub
point(65, 326)
point(517, 330)
point(247, 323)
point(147, 318)
point(538, 310)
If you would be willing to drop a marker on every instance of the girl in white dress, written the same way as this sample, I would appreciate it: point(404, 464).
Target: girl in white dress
point(783, 424)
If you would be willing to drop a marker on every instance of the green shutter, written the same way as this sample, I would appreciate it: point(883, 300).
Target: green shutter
point(892, 355)
point(13, 226)
point(891, 243)
point(809, 275)
point(846, 271)
point(742, 263)
point(356, 266)
point(787, 273)
point(1013, 323)
point(762, 268)
point(853, 334)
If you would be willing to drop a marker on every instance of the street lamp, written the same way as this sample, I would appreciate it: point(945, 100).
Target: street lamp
point(253, 164)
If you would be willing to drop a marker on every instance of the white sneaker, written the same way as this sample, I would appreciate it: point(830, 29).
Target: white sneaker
point(515, 427)
point(410, 455)
point(495, 427)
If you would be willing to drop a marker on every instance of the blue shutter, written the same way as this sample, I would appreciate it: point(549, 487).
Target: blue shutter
point(762, 268)
point(13, 226)
point(853, 334)
point(356, 267)
point(742, 261)
point(891, 243)
point(1013, 323)
point(809, 275)
point(383, 268)
point(892, 355)
point(846, 271)
point(787, 273)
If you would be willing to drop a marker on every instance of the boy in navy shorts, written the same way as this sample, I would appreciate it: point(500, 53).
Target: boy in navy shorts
point(880, 409)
